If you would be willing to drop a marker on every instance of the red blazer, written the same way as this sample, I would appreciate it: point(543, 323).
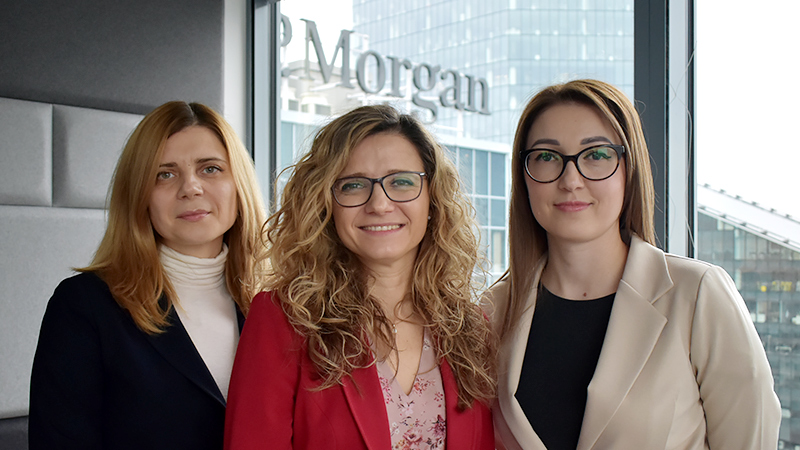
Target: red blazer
point(271, 404)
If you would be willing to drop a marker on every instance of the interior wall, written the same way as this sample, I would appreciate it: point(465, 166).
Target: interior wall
point(120, 55)
point(79, 66)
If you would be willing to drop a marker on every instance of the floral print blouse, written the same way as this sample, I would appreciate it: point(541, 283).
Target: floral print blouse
point(417, 420)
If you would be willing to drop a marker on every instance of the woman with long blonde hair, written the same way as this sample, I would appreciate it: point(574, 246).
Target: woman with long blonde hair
point(608, 342)
point(369, 336)
point(136, 351)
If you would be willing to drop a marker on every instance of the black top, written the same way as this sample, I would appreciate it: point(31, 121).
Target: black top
point(100, 383)
point(563, 348)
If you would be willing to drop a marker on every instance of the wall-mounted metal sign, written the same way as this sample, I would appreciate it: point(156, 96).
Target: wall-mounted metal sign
point(456, 90)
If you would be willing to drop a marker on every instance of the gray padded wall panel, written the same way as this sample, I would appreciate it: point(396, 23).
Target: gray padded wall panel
point(121, 55)
point(86, 146)
point(38, 250)
point(26, 152)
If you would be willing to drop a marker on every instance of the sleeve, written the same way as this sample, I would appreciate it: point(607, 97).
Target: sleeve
point(67, 375)
point(264, 382)
point(736, 386)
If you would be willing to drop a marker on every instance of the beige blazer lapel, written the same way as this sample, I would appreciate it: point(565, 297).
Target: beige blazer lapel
point(513, 353)
point(633, 331)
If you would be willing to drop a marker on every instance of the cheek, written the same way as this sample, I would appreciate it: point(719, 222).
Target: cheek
point(228, 200)
point(157, 220)
point(156, 207)
point(534, 196)
point(340, 221)
point(619, 192)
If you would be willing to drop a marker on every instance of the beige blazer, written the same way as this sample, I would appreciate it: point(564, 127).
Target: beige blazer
point(681, 366)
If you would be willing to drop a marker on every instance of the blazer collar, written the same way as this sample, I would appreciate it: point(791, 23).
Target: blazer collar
point(365, 398)
point(513, 350)
point(463, 427)
point(175, 345)
point(633, 331)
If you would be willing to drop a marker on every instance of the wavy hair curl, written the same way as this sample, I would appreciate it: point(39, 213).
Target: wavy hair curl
point(323, 288)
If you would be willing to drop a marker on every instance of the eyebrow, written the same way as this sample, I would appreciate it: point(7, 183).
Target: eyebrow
point(588, 140)
point(391, 171)
point(197, 161)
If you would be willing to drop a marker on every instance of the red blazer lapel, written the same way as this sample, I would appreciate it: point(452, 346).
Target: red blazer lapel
point(464, 429)
point(365, 398)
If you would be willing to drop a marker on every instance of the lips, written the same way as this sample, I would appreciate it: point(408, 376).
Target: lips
point(391, 227)
point(194, 215)
point(572, 206)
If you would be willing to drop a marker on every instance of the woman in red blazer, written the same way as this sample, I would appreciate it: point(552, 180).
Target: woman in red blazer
point(369, 337)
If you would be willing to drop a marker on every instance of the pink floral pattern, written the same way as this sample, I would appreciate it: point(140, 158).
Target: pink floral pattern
point(417, 420)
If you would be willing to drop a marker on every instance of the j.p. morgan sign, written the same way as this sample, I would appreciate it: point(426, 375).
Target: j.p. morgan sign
point(460, 91)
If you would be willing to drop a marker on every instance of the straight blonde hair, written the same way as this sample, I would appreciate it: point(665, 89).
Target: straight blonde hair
point(128, 259)
point(527, 238)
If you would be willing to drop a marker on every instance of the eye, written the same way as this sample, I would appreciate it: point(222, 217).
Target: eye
point(164, 176)
point(211, 169)
point(404, 180)
point(599, 154)
point(546, 156)
point(350, 185)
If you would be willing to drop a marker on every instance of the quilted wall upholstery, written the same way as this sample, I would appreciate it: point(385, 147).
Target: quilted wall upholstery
point(57, 162)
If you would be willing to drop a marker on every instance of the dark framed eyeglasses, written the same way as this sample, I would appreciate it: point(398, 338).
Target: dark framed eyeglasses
point(399, 187)
point(594, 163)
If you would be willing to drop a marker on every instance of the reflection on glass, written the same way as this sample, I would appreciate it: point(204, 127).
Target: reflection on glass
point(466, 67)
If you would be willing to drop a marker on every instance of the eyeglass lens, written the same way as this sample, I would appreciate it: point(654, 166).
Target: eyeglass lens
point(595, 163)
point(399, 187)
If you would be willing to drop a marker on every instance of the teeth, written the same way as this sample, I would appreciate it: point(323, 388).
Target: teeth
point(382, 228)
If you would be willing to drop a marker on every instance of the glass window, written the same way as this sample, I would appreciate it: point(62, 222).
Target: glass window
point(481, 176)
point(758, 234)
point(517, 47)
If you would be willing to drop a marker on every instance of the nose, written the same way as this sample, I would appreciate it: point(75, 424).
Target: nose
point(190, 186)
point(379, 202)
point(571, 179)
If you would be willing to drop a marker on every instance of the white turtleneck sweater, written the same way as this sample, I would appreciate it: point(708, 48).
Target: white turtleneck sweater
point(206, 309)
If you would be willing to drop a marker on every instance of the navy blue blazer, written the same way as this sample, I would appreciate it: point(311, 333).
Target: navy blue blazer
point(99, 382)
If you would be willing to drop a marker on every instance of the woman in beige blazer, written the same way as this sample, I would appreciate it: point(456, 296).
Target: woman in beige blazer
point(607, 342)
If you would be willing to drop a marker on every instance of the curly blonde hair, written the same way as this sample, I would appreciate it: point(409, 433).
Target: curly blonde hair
point(323, 289)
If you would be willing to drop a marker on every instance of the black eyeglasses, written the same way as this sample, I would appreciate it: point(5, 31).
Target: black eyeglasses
point(399, 187)
point(593, 163)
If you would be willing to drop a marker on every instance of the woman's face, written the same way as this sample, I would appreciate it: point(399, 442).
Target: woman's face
point(382, 232)
point(193, 203)
point(572, 208)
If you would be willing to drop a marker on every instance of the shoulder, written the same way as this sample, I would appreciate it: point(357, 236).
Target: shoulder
point(700, 278)
point(267, 317)
point(649, 267)
point(82, 291)
point(82, 302)
point(265, 305)
point(495, 301)
point(84, 282)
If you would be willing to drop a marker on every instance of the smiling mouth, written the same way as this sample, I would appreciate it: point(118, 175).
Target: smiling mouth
point(381, 227)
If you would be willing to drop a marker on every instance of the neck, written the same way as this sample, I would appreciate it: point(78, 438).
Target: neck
point(390, 286)
point(585, 270)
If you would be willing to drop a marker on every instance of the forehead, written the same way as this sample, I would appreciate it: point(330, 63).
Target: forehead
point(381, 153)
point(569, 123)
point(193, 142)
